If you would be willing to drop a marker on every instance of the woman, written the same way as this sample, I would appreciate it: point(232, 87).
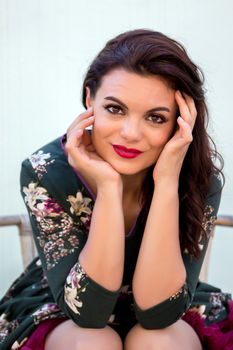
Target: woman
point(121, 209)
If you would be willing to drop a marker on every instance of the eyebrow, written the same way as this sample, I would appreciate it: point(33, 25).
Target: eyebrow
point(156, 109)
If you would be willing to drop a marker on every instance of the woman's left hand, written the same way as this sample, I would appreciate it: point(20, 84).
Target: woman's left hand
point(171, 158)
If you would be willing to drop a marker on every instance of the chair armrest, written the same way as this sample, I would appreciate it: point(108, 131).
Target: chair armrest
point(27, 245)
point(222, 220)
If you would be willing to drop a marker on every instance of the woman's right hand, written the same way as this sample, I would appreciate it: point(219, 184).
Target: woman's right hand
point(82, 155)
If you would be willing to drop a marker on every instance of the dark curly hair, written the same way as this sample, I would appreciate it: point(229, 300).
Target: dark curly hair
point(147, 52)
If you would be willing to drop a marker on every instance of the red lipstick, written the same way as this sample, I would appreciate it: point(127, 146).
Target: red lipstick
point(125, 152)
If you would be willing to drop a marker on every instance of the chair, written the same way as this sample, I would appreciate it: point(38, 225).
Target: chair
point(27, 245)
point(222, 220)
point(28, 249)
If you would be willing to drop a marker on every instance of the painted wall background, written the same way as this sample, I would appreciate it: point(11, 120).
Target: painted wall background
point(45, 48)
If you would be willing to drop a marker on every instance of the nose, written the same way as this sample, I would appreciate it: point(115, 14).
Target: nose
point(130, 129)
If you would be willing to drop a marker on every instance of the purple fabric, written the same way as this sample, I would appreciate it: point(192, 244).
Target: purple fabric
point(37, 340)
point(217, 336)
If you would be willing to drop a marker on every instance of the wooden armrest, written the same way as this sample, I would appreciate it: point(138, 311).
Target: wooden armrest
point(27, 245)
point(222, 220)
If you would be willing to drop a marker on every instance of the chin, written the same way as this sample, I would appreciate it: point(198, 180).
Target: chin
point(128, 169)
point(128, 166)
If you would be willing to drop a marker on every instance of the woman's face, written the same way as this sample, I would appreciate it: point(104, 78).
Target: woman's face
point(135, 116)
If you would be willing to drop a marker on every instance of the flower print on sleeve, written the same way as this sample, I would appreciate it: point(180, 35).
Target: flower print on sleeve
point(75, 285)
point(208, 220)
point(39, 162)
point(47, 311)
point(7, 326)
point(81, 207)
point(33, 193)
point(58, 232)
point(207, 224)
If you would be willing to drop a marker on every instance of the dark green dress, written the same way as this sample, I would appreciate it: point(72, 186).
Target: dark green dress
point(55, 285)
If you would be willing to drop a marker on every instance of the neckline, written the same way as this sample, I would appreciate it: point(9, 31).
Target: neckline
point(132, 230)
point(88, 189)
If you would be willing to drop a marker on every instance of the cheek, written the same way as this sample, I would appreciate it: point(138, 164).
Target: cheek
point(103, 124)
point(100, 117)
point(160, 139)
point(100, 129)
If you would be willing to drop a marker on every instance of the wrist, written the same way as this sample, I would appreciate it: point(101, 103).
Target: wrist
point(110, 188)
point(167, 184)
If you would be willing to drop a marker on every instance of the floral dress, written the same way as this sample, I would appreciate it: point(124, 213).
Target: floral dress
point(56, 286)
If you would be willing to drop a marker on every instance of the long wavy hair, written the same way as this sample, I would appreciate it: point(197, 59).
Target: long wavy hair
point(148, 52)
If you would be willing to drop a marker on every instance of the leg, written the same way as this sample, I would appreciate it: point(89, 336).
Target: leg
point(68, 335)
point(179, 336)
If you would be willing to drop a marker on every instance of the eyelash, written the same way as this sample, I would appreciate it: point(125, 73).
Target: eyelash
point(107, 107)
point(162, 118)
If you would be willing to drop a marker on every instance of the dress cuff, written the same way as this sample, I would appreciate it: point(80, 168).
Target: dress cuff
point(165, 313)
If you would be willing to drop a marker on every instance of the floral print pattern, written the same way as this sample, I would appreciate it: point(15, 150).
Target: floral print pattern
point(80, 207)
point(58, 232)
point(79, 204)
point(218, 302)
point(208, 219)
point(39, 161)
point(47, 311)
point(214, 307)
point(6, 327)
point(207, 224)
point(73, 288)
point(182, 291)
point(34, 193)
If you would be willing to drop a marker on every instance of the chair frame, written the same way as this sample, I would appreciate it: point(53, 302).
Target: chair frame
point(222, 220)
point(27, 245)
point(28, 249)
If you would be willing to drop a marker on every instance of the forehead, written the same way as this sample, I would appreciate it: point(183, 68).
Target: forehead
point(132, 87)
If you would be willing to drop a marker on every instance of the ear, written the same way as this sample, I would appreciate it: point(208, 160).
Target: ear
point(89, 100)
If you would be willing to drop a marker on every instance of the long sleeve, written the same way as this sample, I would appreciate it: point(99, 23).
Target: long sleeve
point(60, 214)
point(170, 310)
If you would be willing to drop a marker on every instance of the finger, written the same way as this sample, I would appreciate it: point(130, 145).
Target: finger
point(81, 117)
point(74, 141)
point(183, 107)
point(191, 106)
point(83, 124)
point(185, 129)
point(74, 137)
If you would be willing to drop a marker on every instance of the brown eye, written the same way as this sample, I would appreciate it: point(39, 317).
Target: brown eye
point(157, 119)
point(113, 109)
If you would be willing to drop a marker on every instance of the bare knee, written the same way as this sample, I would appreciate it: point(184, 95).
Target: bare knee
point(178, 336)
point(145, 339)
point(70, 336)
point(100, 339)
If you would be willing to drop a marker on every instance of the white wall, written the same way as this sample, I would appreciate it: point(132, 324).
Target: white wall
point(45, 47)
